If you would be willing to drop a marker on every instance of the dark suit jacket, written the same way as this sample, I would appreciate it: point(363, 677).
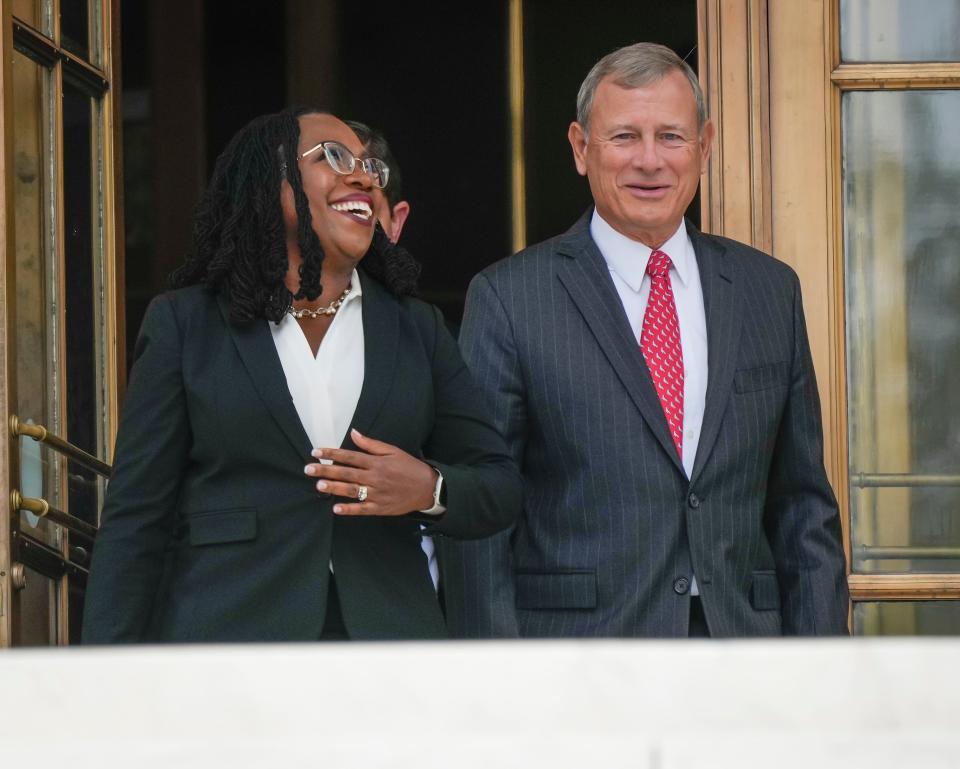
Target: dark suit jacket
point(211, 530)
point(611, 529)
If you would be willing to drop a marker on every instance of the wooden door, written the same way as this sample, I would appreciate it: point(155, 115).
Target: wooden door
point(59, 326)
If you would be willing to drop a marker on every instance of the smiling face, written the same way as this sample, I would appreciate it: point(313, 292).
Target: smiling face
point(341, 207)
point(643, 155)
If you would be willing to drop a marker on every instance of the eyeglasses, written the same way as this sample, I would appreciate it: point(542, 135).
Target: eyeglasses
point(344, 162)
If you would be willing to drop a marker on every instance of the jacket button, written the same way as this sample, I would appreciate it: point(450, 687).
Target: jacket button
point(681, 585)
point(694, 501)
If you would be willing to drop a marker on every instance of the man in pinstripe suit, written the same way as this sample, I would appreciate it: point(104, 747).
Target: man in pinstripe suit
point(656, 386)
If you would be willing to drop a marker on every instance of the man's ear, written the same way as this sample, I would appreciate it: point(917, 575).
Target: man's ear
point(578, 141)
point(706, 144)
point(400, 213)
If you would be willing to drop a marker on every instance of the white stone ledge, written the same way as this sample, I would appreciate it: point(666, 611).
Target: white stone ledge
point(638, 704)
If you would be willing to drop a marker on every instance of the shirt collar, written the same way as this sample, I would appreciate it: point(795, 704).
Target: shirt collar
point(356, 290)
point(628, 258)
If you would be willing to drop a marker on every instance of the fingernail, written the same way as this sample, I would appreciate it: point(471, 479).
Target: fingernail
point(355, 433)
point(321, 485)
point(317, 453)
point(309, 470)
point(337, 509)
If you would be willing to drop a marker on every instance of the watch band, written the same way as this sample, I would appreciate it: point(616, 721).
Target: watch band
point(436, 508)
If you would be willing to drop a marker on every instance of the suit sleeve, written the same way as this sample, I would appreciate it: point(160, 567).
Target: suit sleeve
point(481, 479)
point(137, 519)
point(801, 515)
point(478, 576)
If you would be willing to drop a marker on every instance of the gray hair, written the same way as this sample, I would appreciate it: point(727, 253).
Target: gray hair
point(636, 66)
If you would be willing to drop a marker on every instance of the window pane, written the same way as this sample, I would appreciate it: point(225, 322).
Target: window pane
point(900, 30)
point(901, 158)
point(39, 471)
point(32, 193)
point(34, 278)
point(96, 33)
point(74, 33)
point(907, 618)
point(82, 284)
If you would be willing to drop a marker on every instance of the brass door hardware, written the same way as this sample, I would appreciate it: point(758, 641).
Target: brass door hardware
point(43, 509)
point(902, 480)
point(18, 576)
point(40, 434)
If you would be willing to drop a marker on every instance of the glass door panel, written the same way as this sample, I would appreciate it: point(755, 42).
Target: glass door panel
point(82, 297)
point(892, 618)
point(74, 27)
point(35, 326)
point(901, 182)
point(899, 30)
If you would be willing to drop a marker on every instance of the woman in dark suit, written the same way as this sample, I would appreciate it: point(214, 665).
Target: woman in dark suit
point(293, 419)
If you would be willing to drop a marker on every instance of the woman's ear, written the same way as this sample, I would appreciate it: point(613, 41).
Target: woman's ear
point(289, 207)
point(400, 213)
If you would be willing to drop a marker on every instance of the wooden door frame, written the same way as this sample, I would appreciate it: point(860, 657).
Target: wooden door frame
point(773, 79)
point(9, 468)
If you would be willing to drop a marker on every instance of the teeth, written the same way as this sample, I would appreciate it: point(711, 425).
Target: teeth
point(356, 207)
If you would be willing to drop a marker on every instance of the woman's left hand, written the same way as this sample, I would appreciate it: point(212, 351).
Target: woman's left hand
point(395, 482)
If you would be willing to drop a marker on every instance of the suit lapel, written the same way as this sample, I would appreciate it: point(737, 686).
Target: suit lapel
point(586, 277)
point(722, 305)
point(254, 343)
point(381, 334)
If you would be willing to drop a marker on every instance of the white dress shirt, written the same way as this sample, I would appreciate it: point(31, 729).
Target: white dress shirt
point(627, 260)
point(326, 388)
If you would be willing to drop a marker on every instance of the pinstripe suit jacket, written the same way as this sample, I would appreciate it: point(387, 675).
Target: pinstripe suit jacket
point(612, 529)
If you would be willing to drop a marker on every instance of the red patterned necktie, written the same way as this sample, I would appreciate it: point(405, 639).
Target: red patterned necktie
point(660, 345)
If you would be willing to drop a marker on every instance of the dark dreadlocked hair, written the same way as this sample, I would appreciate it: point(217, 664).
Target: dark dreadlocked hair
point(239, 238)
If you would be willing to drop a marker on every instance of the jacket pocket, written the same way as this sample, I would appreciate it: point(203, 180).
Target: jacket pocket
point(557, 590)
point(221, 526)
point(747, 380)
point(764, 591)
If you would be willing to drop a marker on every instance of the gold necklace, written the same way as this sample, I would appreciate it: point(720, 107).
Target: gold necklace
point(330, 309)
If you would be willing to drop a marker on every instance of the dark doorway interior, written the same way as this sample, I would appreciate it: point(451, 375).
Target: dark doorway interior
point(562, 41)
point(433, 78)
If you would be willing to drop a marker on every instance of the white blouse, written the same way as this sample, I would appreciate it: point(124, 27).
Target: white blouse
point(326, 388)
